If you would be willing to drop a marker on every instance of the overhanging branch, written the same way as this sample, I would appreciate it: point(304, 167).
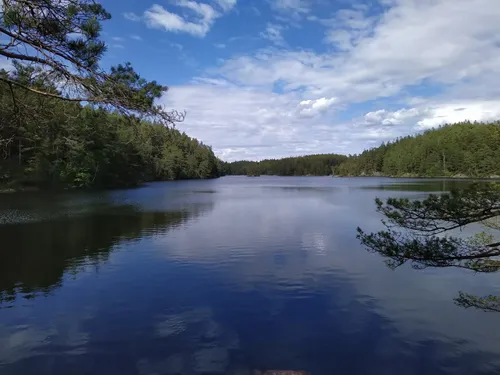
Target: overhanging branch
point(45, 93)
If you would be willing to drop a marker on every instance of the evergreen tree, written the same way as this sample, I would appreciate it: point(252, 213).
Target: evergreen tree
point(59, 41)
point(416, 232)
point(463, 149)
point(310, 165)
point(52, 143)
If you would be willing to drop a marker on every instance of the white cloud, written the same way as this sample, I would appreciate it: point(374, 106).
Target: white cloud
point(273, 33)
point(220, 45)
point(226, 5)
point(198, 23)
point(347, 28)
point(211, 81)
point(384, 117)
point(313, 107)
point(295, 6)
point(256, 11)
point(176, 45)
point(158, 17)
point(135, 37)
point(427, 116)
point(460, 111)
point(453, 45)
point(131, 16)
point(250, 123)
point(442, 41)
point(118, 39)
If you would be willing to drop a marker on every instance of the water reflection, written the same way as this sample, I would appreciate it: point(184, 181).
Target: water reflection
point(225, 277)
point(37, 253)
point(424, 185)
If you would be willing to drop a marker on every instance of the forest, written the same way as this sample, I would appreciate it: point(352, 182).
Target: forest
point(68, 122)
point(310, 165)
point(51, 143)
point(65, 122)
point(467, 149)
point(464, 149)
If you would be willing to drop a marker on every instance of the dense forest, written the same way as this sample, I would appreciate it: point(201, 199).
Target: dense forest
point(50, 143)
point(310, 165)
point(459, 150)
point(67, 122)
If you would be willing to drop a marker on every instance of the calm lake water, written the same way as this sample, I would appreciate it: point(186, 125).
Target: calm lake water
point(224, 277)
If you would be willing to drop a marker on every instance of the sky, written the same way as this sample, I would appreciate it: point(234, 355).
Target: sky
point(274, 78)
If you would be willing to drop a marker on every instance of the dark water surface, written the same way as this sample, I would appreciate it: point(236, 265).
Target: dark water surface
point(227, 276)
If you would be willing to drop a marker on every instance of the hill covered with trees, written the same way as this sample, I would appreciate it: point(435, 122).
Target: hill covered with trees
point(51, 143)
point(310, 165)
point(459, 150)
point(464, 149)
point(67, 122)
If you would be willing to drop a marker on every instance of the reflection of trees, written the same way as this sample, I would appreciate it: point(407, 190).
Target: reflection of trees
point(428, 186)
point(35, 255)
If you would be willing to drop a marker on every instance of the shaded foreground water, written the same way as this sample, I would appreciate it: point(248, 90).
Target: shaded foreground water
point(224, 277)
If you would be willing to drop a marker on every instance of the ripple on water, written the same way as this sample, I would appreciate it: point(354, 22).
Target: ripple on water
point(225, 277)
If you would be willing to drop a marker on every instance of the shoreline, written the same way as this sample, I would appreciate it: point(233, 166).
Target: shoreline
point(378, 176)
point(36, 189)
point(426, 177)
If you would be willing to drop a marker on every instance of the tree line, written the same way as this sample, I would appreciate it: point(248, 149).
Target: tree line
point(466, 149)
point(51, 143)
point(310, 165)
point(66, 122)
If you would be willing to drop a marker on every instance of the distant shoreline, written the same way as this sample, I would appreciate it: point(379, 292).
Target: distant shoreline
point(427, 177)
point(378, 176)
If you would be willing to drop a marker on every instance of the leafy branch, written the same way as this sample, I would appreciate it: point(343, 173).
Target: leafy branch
point(416, 234)
point(61, 40)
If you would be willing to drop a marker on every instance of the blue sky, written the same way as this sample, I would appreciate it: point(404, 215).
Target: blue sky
point(273, 78)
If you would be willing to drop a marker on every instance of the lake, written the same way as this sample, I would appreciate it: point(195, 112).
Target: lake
point(228, 276)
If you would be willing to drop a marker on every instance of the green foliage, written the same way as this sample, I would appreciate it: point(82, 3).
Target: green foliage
point(311, 165)
point(463, 149)
point(487, 303)
point(416, 233)
point(49, 143)
point(60, 40)
point(441, 213)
